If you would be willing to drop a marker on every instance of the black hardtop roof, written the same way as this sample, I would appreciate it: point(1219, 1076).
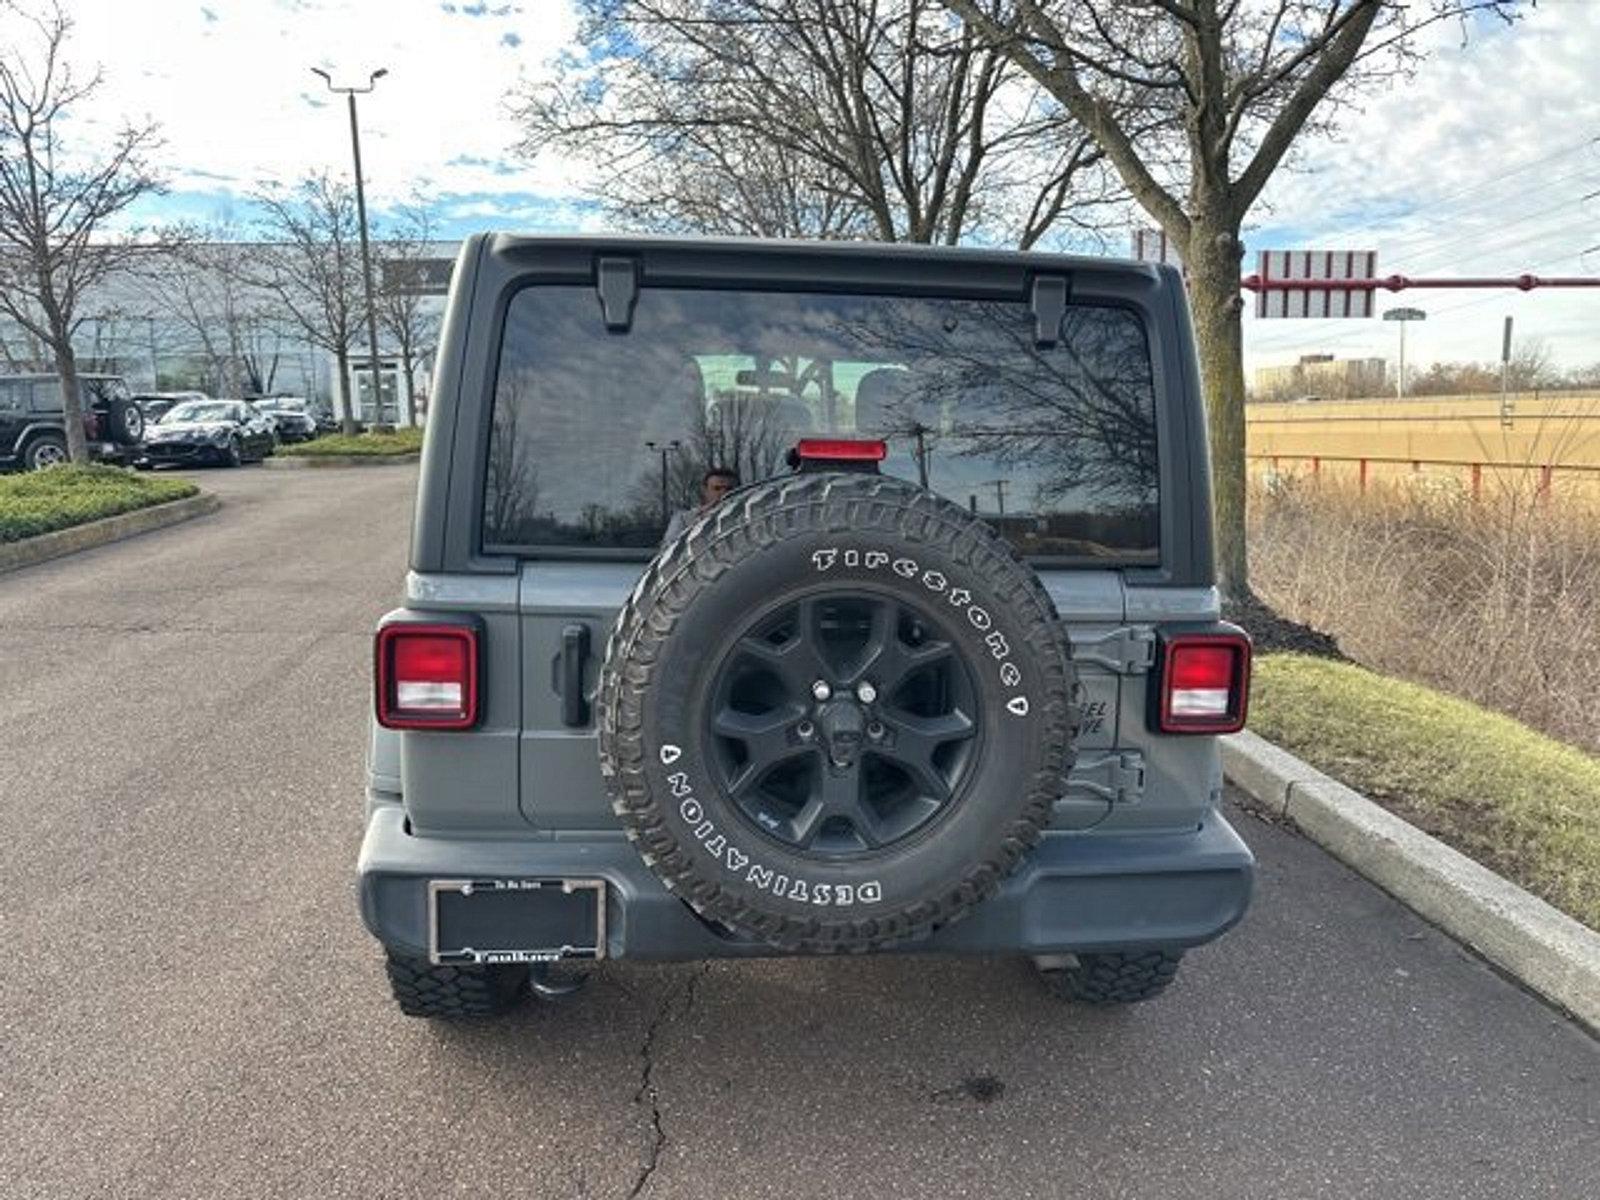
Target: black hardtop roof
point(676, 254)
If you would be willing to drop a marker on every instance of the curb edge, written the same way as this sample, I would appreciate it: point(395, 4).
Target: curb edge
point(1547, 951)
point(16, 555)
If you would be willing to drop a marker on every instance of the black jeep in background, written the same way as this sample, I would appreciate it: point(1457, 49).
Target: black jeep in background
point(32, 432)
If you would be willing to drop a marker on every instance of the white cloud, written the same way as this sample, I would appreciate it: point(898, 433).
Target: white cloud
point(1480, 166)
point(230, 83)
point(1434, 173)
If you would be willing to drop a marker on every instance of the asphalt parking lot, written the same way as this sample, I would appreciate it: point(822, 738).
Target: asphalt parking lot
point(190, 1006)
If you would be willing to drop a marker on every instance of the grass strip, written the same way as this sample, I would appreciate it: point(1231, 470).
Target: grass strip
point(1523, 804)
point(36, 502)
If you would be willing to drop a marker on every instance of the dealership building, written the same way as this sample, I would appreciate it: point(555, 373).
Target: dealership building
point(163, 327)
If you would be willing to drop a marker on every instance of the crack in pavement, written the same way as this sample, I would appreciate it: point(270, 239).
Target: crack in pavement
point(647, 1091)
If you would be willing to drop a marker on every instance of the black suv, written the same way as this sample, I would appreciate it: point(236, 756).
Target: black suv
point(942, 672)
point(32, 433)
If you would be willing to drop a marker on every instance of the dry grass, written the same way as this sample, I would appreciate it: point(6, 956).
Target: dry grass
point(1495, 600)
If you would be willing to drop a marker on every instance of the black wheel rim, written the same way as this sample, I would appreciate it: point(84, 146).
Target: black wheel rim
point(843, 723)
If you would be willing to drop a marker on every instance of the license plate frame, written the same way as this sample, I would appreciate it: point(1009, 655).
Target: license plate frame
point(480, 922)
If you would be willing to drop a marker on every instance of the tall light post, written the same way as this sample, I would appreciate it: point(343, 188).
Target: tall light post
point(1403, 315)
point(664, 449)
point(350, 94)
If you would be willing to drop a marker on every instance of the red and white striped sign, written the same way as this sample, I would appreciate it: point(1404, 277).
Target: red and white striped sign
point(1288, 278)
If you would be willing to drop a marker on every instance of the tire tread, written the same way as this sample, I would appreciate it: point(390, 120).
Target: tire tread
point(454, 993)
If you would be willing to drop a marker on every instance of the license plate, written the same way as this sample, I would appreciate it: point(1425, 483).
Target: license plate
point(515, 920)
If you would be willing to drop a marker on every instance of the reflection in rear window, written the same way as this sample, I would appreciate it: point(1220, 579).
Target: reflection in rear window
point(600, 438)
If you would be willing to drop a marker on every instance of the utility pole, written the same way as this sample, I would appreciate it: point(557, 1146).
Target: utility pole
point(664, 449)
point(920, 431)
point(350, 94)
point(155, 365)
point(999, 486)
point(1505, 376)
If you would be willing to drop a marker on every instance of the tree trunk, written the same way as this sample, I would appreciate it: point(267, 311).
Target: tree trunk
point(410, 380)
point(349, 427)
point(71, 407)
point(1213, 273)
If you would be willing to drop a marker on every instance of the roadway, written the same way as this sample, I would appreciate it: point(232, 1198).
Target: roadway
point(190, 1006)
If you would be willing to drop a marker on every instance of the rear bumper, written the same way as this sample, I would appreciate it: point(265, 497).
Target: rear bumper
point(1075, 892)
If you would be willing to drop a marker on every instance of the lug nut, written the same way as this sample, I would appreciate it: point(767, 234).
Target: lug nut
point(820, 690)
point(805, 729)
point(875, 730)
point(865, 692)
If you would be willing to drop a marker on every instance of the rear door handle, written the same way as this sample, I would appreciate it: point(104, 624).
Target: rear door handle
point(574, 653)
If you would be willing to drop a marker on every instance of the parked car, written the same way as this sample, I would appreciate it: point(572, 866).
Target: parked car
point(950, 681)
point(289, 416)
point(32, 432)
point(219, 432)
point(157, 404)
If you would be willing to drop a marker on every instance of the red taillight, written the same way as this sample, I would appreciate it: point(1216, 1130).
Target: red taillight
point(427, 676)
point(844, 449)
point(1205, 683)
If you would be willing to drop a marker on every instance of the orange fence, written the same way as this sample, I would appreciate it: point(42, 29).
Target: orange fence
point(1549, 442)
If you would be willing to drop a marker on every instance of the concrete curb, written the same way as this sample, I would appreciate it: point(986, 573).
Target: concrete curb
point(297, 462)
point(16, 555)
point(1545, 949)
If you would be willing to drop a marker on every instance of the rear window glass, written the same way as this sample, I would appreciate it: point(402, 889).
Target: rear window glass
point(600, 439)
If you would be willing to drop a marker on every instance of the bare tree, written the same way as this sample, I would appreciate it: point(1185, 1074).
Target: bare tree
point(20, 350)
point(1224, 89)
point(202, 285)
point(1583, 377)
point(1531, 367)
point(403, 312)
point(54, 203)
point(817, 118)
point(311, 267)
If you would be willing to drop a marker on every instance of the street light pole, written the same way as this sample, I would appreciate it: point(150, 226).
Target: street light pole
point(1404, 316)
point(350, 94)
point(664, 449)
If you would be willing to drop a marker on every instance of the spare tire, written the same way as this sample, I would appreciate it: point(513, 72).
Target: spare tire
point(835, 713)
point(124, 420)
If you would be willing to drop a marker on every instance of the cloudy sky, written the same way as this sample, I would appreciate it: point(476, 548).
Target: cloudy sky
point(1487, 162)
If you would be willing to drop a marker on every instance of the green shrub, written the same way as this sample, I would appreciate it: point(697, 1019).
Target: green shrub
point(401, 441)
point(38, 502)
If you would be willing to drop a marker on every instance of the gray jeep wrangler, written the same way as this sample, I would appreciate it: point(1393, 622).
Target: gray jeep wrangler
point(943, 673)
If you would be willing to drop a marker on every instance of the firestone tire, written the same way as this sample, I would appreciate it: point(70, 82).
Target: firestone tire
point(466, 993)
point(956, 593)
point(1115, 978)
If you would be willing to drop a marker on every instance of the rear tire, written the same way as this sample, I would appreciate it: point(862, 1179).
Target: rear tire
point(449, 993)
point(1114, 978)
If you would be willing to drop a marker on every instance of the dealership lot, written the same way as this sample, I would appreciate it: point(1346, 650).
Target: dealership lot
point(191, 1008)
